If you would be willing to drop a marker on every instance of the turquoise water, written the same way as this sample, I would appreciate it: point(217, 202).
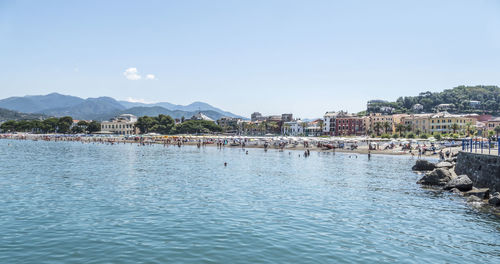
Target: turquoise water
point(68, 202)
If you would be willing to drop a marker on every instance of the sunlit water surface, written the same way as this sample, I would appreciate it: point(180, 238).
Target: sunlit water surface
point(68, 202)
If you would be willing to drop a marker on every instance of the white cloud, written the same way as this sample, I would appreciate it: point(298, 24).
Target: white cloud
point(132, 74)
point(150, 77)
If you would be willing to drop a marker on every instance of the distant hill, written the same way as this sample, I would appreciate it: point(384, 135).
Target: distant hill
point(103, 108)
point(156, 110)
point(89, 109)
point(465, 99)
point(38, 103)
point(193, 107)
point(6, 114)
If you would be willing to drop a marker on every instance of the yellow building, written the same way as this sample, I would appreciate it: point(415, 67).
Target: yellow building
point(443, 122)
point(417, 122)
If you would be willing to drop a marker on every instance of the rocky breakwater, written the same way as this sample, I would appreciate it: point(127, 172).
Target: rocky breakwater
point(443, 175)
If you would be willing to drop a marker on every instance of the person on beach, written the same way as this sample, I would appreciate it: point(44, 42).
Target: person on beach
point(369, 154)
point(419, 153)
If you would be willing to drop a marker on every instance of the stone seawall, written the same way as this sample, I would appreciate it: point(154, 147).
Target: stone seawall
point(482, 169)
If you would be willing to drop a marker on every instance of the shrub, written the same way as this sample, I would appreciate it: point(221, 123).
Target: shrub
point(410, 135)
point(385, 136)
point(395, 135)
point(424, 136)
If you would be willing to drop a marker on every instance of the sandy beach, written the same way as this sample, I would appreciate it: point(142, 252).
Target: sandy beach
point(358, 145)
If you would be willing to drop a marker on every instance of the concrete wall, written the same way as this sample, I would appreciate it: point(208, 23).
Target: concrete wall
point(482, 169)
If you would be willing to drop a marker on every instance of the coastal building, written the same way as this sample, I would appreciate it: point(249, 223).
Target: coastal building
point(349, 125)
point(417, 108)
point(492, 123)
point(444, 107)
point(443, 122)
point(286, 117)
point(385, 123)
point(230, 124)
point(273, 118)
point(475, 104)
point(419, 123)
point(201, 116)
point(343, 124)
point(229, 121)
point(256, 116)
point(293, 128)
point(314, 128)
point(122, 125)
point(329, 123)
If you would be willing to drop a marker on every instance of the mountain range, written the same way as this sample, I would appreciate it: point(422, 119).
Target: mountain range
point(103, 108)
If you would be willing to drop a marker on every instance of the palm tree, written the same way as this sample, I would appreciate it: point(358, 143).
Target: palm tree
point(497, 130)
point(262, 127)
point(377, 128)
point(468, 127)
point(408, 128)
point(400, 128)
point(386, 126)
point(455, 127)
point(285, 127)
point(304, 125)
point(321, 125)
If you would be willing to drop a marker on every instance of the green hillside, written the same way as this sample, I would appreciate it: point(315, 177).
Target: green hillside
point(488, 98)
point(13, 115)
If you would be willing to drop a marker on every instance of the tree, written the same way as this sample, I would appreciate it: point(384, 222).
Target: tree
point(64, 124)
point(77, 130)
point(321, 125)
point(94, 126)
point(400, 128)
point(386, 126)
point(82, 123)
point(145, 124)
point(377, 128)
point(468, 127)
point(163, 125)
point(9, 126)
point(196, 126)
point(304, 126)
point(497, 130)
point(49, 125)
point(454, 127)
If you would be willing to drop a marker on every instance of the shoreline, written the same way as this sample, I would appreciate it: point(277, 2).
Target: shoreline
point(298, 144)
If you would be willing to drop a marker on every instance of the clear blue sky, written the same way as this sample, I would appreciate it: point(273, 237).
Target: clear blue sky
point(304, 57)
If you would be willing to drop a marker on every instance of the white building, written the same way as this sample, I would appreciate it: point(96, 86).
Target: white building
point(201, 116)
point(122, 125)
point(329, 123)
point(293, 128)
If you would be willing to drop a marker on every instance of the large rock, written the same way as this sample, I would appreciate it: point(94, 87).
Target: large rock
point(483, 193)
point(444, 164)
point(474, 199)
point(423, 165)
point(461, 182)
point(495, 199)
point(436, 177)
